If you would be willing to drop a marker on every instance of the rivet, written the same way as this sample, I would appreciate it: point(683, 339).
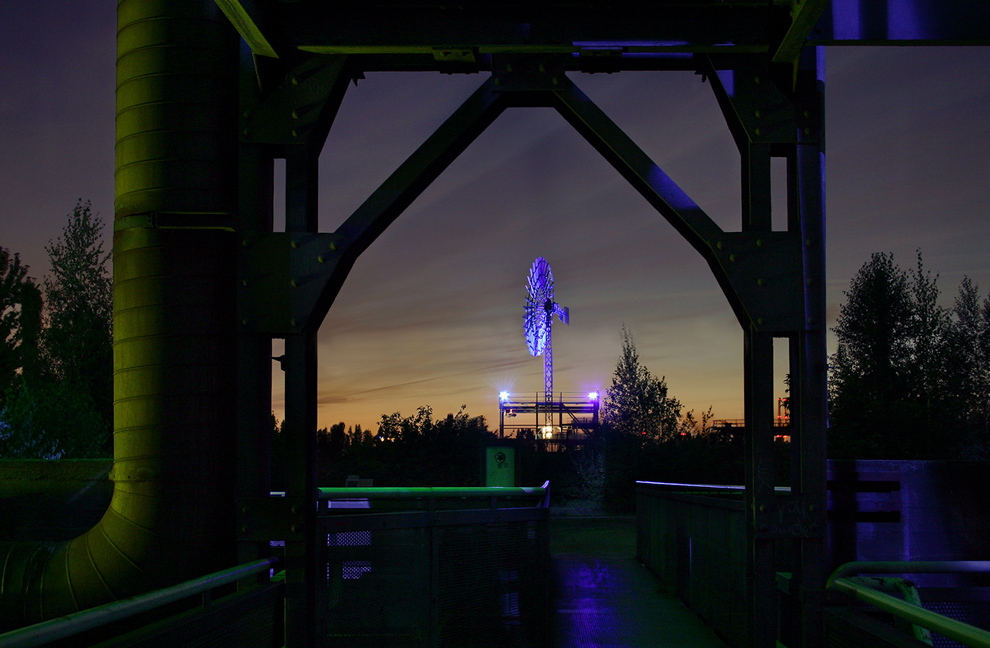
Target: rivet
point(244, 242)
point(812, 507)
point(294, 244)
point(320, 259)
point(295, 508)
point(294, 133)
point(244, 322)
point(759, 282)
point(807, 113)
point(508, 68)
point(244, 529)
point(244, 282)
point(758, 113)
point(296, 528)
point(719, 245)
point(293, 322)
point(244, 509)
point(758, 131)
point(811, 321)
point(759, 242)
point(247, 113)
point(556, 81)
point(294, 283)
point(244, 132)
point(807, 131)
point(498, 82)
point(294, 80)
point(542, 68)
point(732, 257)
point(763, 508)
point(759, 321)
point(333, 247)
point(295, 115)
point(807, 242)
point(756, 80)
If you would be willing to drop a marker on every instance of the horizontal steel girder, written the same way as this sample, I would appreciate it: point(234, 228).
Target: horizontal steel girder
point(622, 35)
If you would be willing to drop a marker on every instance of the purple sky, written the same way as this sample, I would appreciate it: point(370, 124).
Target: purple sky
point(432, 312)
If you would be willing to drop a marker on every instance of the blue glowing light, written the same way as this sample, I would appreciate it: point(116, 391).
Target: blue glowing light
point(503, 396)
point(593, 395)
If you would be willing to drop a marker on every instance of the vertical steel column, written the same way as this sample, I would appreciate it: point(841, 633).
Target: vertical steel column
point(254, 364)
point(808, 353)
point(758, 370)
point(301, 165)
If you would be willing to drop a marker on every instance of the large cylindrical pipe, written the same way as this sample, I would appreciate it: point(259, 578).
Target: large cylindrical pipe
point(171, 515)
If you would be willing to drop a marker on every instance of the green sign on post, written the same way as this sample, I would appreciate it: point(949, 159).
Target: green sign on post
point(500, 466)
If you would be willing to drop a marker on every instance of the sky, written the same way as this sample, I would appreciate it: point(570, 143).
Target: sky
point(431, 314)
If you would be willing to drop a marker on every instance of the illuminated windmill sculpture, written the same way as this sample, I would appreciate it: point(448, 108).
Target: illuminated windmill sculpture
point(537, 324)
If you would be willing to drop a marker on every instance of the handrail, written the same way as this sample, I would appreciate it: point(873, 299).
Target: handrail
point(392, 492)
point(714, 488)
point(964, 633)
point(72, 624)
point(909, 567)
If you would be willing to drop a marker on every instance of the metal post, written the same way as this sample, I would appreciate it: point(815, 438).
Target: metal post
point(300, 423)
point(806, 174)
point(760, 574)
point(758, 369)
point(254, 364)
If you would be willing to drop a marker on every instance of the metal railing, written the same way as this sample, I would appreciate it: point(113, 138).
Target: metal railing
point(964, 633)
point(79, 622)
point(433, 567)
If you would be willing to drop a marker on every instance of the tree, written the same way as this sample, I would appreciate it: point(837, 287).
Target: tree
point(20, 321)
point(637, 402)
point(969, 355)
point(895, 379)
point(78, 338)
point(59, 403)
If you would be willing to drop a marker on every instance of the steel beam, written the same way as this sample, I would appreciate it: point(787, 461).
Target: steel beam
point(290, 280)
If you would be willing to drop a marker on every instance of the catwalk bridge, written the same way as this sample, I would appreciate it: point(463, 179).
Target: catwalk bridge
point(209, 95)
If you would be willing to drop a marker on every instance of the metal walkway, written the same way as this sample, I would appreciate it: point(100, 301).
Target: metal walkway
point(604, 598)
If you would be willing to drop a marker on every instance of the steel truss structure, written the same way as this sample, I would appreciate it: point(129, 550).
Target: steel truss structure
point(202, 283)
point(769, 81)
point(560, 423)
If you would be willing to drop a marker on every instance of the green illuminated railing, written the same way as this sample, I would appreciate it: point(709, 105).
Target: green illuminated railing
point(425, 492)
point(964, 633)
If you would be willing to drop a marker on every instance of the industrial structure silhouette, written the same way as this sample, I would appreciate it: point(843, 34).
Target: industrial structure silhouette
point(210, 94)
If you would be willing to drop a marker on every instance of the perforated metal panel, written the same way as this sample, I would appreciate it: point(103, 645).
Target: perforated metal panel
point(438, 580)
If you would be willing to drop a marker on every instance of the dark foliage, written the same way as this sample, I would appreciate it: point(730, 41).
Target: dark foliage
point(909, 377)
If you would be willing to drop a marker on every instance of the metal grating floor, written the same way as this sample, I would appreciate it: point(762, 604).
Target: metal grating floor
point(606, 599)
